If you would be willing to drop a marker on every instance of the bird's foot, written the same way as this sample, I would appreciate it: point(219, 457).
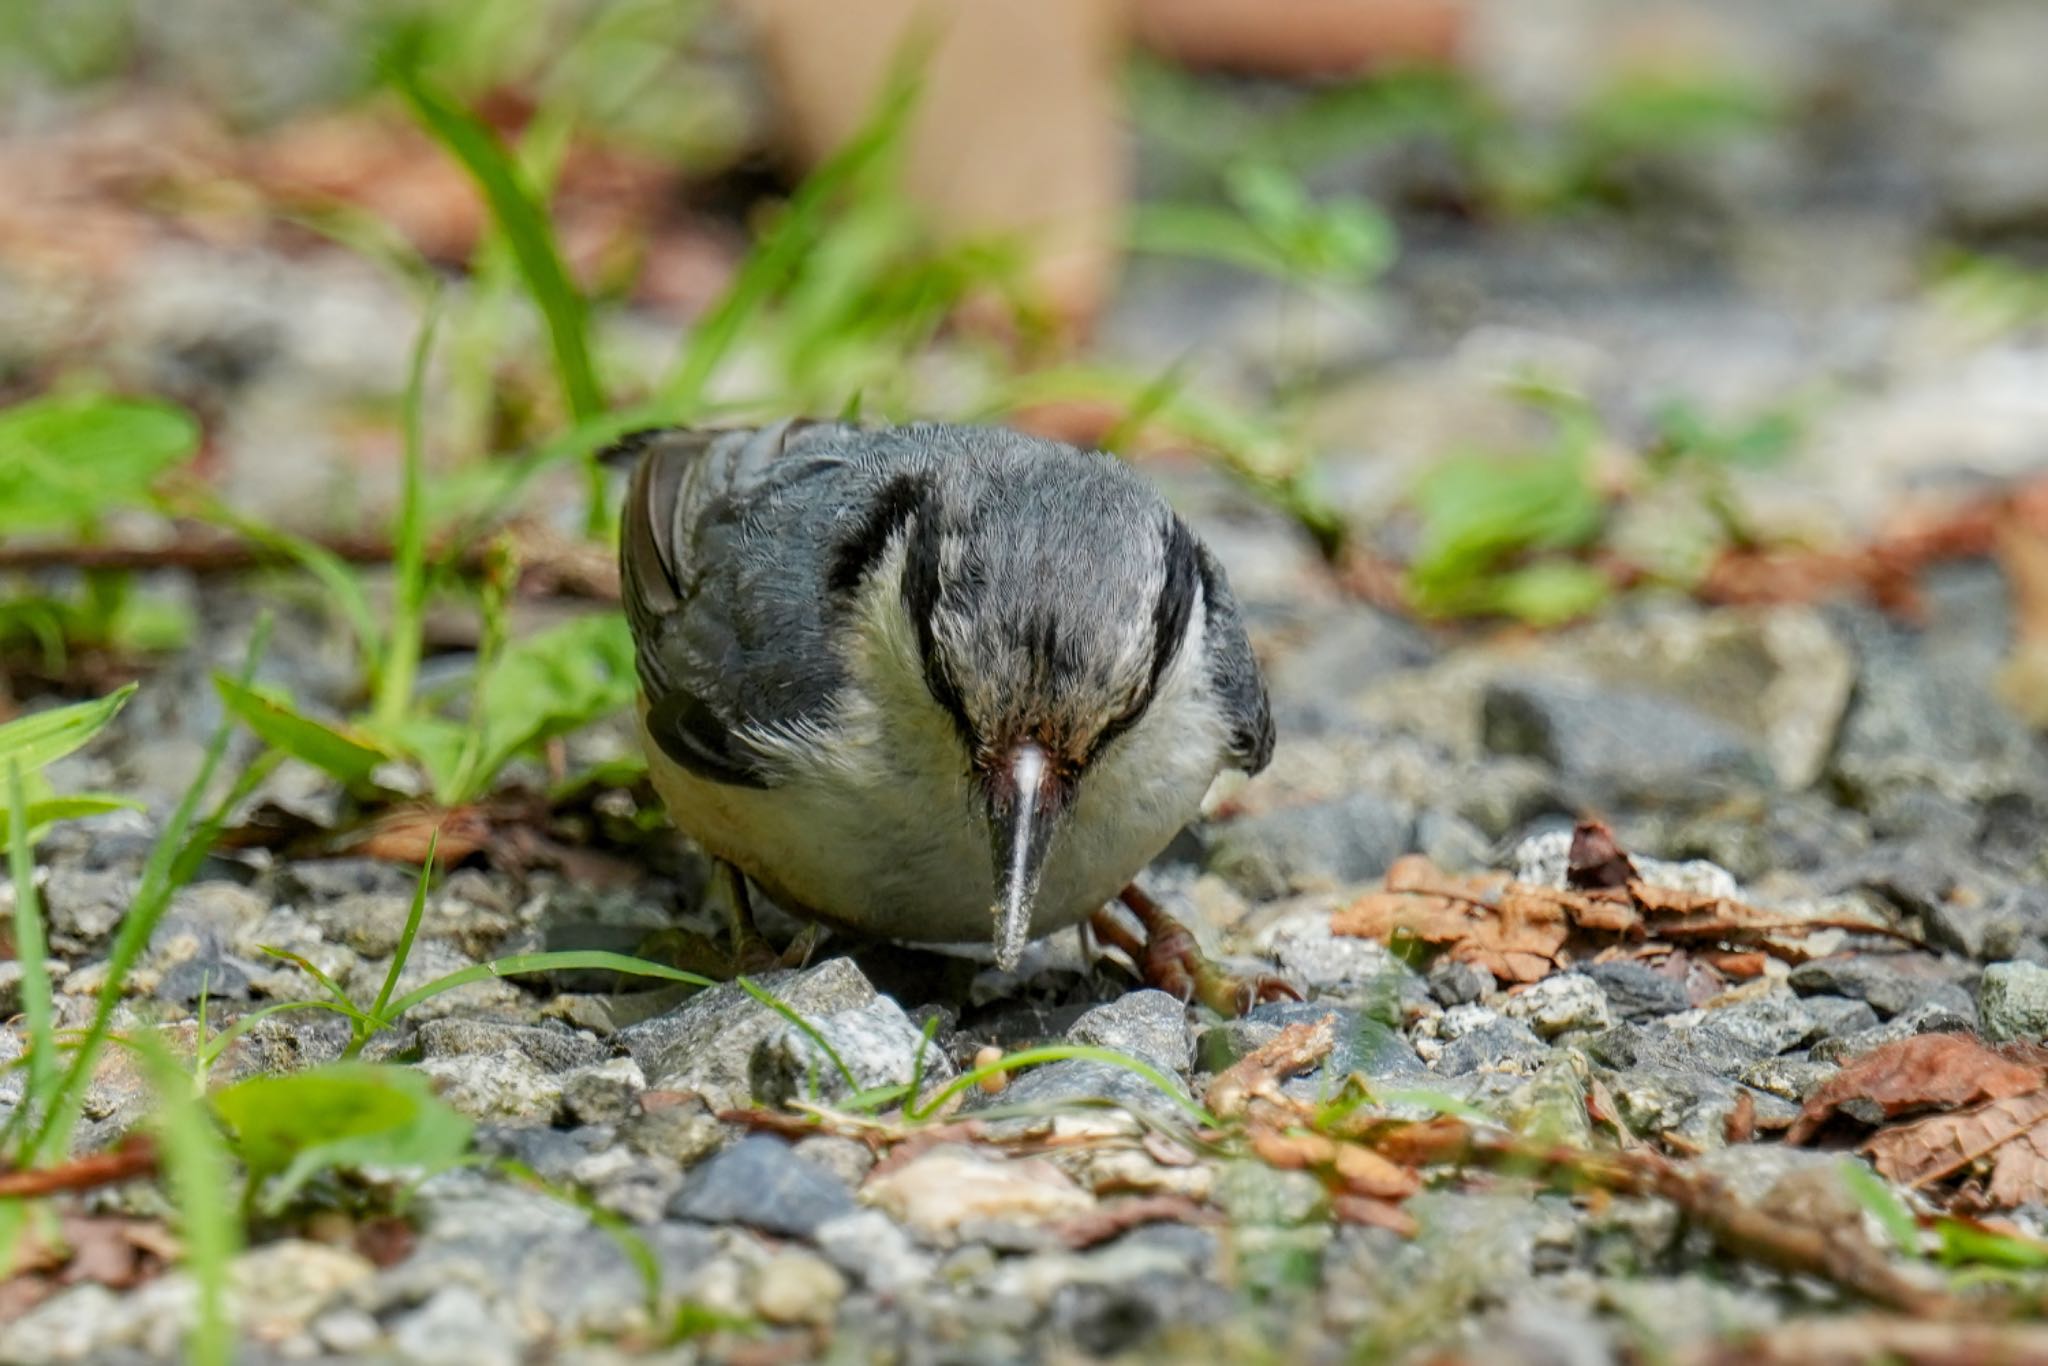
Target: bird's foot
point(1168, 957)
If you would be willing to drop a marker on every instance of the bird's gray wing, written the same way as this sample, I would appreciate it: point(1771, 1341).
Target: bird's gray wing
point(1234, 676)
point(733, 550)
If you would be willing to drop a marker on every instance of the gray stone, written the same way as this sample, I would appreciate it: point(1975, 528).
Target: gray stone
point(1931, 1018)
point(1636, 992)
point(459, 1327)
point(875, 1251)
point(762, 1183)
point(1837, 1017)
point(213, 978)
point(315, 880)
point(1765, 1025)
point(1789, 1078)
point(550, 1046)
point(2012, 1002)
point(1256, 1194)
point(682, 1130)
point(1688, 1103)
point(1559, 1004)
point(878, 1044)
point(1454, 982)
point(1083, 1086)
point(1615, 745)
point(603, 1092)
point(1478, 1039)
point(1334, 843)
point(1924, 711)
point(1891, 983)
point(707, 1044)
point(1146, 1024)
point(506, 1087)
point(1693, 1045)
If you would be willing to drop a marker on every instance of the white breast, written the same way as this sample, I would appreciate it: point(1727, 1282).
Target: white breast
point(877, 826)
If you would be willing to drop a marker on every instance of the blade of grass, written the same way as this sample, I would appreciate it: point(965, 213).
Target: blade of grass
point(805, 1027)
point(521, 964)
point(414, 914)
point(341, 1002)
point(1031, 1057)
point(30, 949)
point(172, 859)
point(782, 248)
point(399, 670)
point(523, 220)
point(196, 1163)
point(210, 1051)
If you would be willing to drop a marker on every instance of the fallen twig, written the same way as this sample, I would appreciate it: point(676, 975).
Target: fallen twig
point(134, 1156)
point(550, 564)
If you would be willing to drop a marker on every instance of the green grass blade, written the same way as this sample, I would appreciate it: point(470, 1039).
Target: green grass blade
point(1031, 1057)
point(523, 220)
point(209, 1052)
point(342, 757)
point(399, 669)
point(341, 1003)
point(196, 1163)
point(805, 1027)
point(520, 964)
point(30, 949)
point(775, 258)
point(414, 914)
point(47, 736)
point(175, 855)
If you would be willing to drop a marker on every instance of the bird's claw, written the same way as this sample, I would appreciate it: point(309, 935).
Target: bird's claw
point(1170, 959)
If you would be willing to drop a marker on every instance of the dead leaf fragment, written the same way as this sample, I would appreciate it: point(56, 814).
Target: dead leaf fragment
point(1924, 1072)
point(1258, 1073)
point(1933, 1149)
point(1597, 859)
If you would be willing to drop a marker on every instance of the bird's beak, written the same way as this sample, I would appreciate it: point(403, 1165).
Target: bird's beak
point(1025, 803)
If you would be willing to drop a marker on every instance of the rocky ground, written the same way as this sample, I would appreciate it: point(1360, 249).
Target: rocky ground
point(1813, 761)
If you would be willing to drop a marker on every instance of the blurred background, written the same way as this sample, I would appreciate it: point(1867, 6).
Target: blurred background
point(1509, 308)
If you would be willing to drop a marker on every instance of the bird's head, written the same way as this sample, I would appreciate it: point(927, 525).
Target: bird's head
point(1046, 616)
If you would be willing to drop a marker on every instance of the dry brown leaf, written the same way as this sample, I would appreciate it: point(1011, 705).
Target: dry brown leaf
point(1361, 1170)
point(1597, 859)
point(1938, 1147)
point(1521, 932)
point(1925, 1072)
point(1362, 1209)
point(1108, 1220)
point(1258, 1073)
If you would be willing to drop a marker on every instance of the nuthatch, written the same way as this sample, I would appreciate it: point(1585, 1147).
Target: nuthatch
point(928, 683)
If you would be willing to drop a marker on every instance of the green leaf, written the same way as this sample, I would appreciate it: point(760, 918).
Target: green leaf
point(41, 815)
point(276, 723)
point(1970, 1244)
point(1877, 1197)
point(344, 1115)
point(66, 460)
point(39, 740)
point(551, 683)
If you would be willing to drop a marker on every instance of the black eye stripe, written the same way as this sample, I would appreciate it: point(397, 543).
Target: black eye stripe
point(920, 602)
point(1170, 615)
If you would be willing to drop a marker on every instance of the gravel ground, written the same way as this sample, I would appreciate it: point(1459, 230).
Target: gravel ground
point(1810, 759)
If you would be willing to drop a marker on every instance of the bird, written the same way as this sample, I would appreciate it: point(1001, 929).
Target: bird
point(932, 683)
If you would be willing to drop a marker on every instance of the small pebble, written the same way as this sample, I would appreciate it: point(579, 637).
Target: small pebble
point(988, 1056)
point(798, 1287)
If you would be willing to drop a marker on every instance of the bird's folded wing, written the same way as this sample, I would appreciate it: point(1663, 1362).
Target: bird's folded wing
point(724, 582)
